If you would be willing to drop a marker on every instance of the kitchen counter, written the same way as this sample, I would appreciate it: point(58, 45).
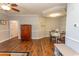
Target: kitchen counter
point(65, 50)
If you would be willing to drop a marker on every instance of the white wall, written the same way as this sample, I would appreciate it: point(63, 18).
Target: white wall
point(62, 24)
point(35, 22)
point(72, 32)
point(51, 24)
point(4, 29)
point(40, 25)
point(55, 23)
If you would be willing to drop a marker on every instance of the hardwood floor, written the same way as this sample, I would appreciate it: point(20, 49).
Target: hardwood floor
point(40, 47)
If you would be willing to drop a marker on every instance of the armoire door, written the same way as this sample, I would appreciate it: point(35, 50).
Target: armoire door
point(26, 32)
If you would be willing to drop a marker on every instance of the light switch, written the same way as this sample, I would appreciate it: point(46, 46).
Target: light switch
point(76, 25)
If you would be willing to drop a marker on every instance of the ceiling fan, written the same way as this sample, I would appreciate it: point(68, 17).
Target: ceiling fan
point(9, 6)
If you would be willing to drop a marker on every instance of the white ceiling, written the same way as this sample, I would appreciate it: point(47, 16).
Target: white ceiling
point(39, 8)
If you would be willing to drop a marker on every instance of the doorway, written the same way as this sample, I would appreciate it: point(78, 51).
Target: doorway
point(13, 25)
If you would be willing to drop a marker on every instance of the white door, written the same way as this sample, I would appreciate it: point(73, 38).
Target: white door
point(13, 28)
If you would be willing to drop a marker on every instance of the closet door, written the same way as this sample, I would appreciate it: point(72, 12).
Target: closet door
point(26, 32)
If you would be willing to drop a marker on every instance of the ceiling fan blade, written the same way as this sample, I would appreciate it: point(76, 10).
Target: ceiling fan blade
point(14, 5)
point(15, 9)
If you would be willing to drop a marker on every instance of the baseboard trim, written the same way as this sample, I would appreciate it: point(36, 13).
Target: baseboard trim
point(7, 39)
point(38, 37)
point(72, 39)
point(14, 37)
point(4, 40)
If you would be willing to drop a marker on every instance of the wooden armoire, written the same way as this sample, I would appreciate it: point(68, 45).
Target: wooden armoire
point(26, 32)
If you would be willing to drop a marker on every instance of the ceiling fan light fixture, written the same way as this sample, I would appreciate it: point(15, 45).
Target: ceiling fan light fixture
point(55, 14)
point(5, 7)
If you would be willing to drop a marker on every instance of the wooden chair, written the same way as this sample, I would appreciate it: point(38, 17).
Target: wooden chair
point(62, 37)
point(54, 35)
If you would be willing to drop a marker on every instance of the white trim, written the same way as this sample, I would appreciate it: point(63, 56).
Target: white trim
point(7, 39)
point(72, 43)
point(4, 40)
point(39, 37)
point(72, 39)
point(36, 37)
point(12, 36)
